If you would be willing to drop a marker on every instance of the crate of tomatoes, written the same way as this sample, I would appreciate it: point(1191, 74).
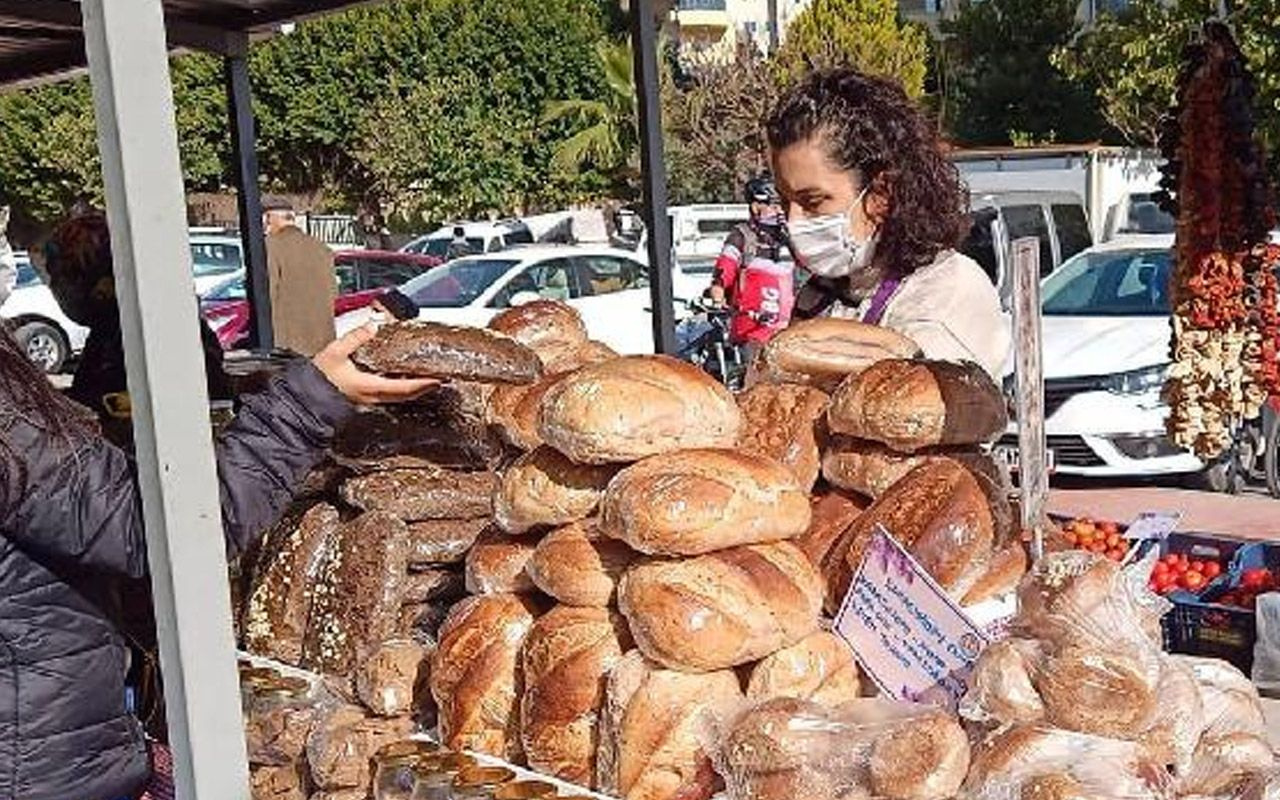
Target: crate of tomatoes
point(1214, 583)
point(1096, 536)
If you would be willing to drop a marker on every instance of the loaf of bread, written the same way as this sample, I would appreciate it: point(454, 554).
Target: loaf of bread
point(1098, 691)
point(831, 514)
point(553, 330)
point(1227, 695)
point(568, 656)
point(422, 494)
point(722, 609)
point(1043, 763)
point(280, 604)
point(544, 489)
point(1002, 686)
point(357, 599)
point(578, 566)
point(343, 742)
point(696, 501)
point(443, 541)
point(822, 352)
point(498, 564)
point(276, 730)
point(652, 731)
point(637, 406)
point(442, 433)
point(285, 782)
point(1179, 719)
point(1076, 598)
point(1223, 765)
point(923, 758)
point(939, 513)
point(591, 352)
point(787, 423)
point(515, 411)
point(912, 405)
point(385, 680)
point(819, 668)
point(780, 735)
point(476, 676)
point(421, 622)
point(1003, 574)
point(431, 350)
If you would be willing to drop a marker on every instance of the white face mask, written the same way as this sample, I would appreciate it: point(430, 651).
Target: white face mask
point(825, 245)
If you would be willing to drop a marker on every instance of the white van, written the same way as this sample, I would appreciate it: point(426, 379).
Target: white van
point(698, 231)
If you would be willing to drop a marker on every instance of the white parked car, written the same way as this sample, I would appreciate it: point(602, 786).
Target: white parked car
point(1106, 330)
point(609, 287)
point(214, 258)
point(482, 237)
point(38, 324)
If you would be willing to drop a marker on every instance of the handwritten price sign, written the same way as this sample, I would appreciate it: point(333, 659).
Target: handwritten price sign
point(910, 637)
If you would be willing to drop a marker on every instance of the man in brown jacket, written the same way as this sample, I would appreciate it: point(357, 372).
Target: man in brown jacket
point(303, 283)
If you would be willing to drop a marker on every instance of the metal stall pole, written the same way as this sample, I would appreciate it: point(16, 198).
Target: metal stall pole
point(244, 150)
point(644, 38)
point(133, 99)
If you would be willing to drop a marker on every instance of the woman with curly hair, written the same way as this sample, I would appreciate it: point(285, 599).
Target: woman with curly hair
point(875, 211)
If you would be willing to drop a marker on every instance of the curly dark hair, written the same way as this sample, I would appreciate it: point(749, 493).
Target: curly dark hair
point(870, 127)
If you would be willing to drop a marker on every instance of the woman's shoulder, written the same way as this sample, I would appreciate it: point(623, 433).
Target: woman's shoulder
point(952, 265)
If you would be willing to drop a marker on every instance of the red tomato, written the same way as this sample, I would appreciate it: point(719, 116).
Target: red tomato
point(1197, 566)
point(1116, 554)
point(1160, 568)
point(1254, 578)
point(1181, 567)
point(1193, 580)
point(1109, 528)
point(1184, 559)
point(1212, 569)
point(1171, 559)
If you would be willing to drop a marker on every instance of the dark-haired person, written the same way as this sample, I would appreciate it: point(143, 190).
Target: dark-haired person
point(875, 211)
point(71, 524)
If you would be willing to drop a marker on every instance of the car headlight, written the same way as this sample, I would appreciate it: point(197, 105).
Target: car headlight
point(1138, 381)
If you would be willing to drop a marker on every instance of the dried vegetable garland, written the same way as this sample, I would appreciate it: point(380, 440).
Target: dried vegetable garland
point(1225, 323)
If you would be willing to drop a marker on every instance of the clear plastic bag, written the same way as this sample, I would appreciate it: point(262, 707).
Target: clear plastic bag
point(1266, 651)
point(786, 749)
point(385, 681)
point(1042, 763)
point(343, 741)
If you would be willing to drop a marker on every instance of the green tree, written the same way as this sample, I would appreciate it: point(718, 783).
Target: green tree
point(606, 135)
point(1133, 60)
point(1003, 84)
point(865, 34)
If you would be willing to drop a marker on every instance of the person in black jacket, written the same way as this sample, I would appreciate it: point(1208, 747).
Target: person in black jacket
point(71, 521)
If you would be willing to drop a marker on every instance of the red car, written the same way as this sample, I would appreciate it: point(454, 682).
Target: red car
point(362, 275)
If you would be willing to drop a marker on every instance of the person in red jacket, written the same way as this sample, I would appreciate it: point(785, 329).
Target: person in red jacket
point(750, 277)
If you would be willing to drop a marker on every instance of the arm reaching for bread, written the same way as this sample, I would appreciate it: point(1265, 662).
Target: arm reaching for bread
point(363, 387)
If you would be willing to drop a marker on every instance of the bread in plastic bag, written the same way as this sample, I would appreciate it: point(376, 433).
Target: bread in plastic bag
point(820, 668)
point(1225, 765)
point(1229, 699)
point(385, 680)
point(786, 748)
point(1175, 728)
point(1099, 690)
point(278, 722)
point(343, 741)
point(1042, 763)
point(282, 782)
point(1002, 685)
point(342, 794)
point(357, 600)
point(1266, 650)
point(652, 742)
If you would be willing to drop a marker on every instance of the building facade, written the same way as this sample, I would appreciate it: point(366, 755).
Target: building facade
point(711, 30)
point(931, 11)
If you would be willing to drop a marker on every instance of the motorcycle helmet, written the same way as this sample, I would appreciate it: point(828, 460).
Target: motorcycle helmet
point(761, 189)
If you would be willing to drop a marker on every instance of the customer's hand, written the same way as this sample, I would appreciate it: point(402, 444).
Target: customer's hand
point(365, 388)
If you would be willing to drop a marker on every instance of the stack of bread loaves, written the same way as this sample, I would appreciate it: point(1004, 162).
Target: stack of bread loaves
point(1084, 674)
point(904, 436)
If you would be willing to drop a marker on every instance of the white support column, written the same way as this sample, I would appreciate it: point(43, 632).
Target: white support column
point(133, 98)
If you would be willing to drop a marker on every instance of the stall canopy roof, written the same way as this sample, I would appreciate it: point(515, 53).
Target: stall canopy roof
point(42, 40)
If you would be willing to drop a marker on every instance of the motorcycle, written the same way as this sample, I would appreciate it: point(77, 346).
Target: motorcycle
point(703, 340)
point(1253, 457)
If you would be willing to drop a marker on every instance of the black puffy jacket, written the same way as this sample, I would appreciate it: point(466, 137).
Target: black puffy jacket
point(70, 522)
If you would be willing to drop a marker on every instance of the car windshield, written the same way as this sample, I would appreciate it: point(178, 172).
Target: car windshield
point(27, 275)
point(457, 283)
point(214, 258)
point(1119, 283)
point(230, 290)
point(440, 247)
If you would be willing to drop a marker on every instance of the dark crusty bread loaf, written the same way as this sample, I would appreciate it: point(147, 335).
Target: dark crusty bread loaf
point(357, 599)
point(695, 501)
point(939, 513)
point(822, 352)
point(634, 407)
point(386, 679)
point(436, 583)
point(722, 609)
point(431, 350)
point(912, 405)
point(280, 604)
point(787, 423)
point(568, 656)
point(579, 566)
point(440, 432)
point(476, 676)
point(653, 730)
point(549, 328)
point(443, 541)
point(545, 489)
point(422, 494)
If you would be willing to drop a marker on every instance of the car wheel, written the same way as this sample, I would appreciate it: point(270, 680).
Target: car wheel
point(1223, 476)
point(44, 344)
